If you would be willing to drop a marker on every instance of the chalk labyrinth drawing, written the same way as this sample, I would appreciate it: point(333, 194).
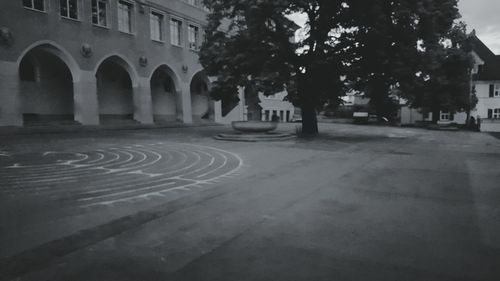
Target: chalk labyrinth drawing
point(118, 174)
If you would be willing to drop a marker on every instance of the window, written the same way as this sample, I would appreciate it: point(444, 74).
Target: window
point(175, 32)
point(125, 10)
point(496, 113)
point(193, 2)
point(38, 5)
point(156, 23)
point(480, 68)
point(497, 90)
point(69, 9)
point(193, 35)
point(445, 116)
point(100, 12)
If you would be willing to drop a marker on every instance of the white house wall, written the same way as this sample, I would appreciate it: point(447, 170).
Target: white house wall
point(484, 101)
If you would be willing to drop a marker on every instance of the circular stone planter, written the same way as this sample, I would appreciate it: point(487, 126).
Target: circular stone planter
point(254, 126)
point(254, 131)
point(255, 137)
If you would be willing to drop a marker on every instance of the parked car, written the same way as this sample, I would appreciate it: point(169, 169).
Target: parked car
point(360, 117)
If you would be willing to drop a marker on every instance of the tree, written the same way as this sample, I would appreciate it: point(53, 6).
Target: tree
point(399, 43)
point(445, 79)
point(385, 55)
point(248, 43)
point(378, 46)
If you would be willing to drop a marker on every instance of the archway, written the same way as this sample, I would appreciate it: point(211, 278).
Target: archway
point(115, 92)
point(46, 87)
point(202, 107)
point(164, 87)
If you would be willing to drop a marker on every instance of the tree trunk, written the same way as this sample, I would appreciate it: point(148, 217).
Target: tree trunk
point(309, 120)
point(436, 115)
point(308, 110)
point(378, 98)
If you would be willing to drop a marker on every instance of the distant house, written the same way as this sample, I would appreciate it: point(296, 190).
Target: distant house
point(410, 116)
point(276, 105)
point(486, 81)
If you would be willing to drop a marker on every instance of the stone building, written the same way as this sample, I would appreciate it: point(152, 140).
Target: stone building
point(92, 62)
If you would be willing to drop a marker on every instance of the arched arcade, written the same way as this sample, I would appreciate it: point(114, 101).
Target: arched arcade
point(202, 106)
point(45, 91)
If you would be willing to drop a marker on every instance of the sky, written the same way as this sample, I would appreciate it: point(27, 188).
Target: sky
point(481, 15)
point(484, 17)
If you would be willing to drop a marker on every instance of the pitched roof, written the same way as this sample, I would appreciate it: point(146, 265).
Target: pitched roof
point(491, 67)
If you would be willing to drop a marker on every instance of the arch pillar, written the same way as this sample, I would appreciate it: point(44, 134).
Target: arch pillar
point(184, 104)
point(143, 105)
point(85, 98)
point(10, 114)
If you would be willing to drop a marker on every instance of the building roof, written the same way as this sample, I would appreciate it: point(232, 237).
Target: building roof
point(491, 68)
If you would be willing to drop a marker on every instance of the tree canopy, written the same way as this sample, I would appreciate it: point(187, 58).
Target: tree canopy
point(444, 80)
point(372, 46)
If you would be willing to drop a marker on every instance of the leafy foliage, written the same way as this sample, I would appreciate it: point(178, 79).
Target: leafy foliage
point(444, 83)
point(375, 46)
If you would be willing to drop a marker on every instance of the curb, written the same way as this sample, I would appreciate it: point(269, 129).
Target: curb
point(12, 131)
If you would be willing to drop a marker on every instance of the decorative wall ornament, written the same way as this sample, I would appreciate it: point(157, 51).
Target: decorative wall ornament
point(142, 6)
point(143, 61)
point(86, 50)
point(185, 68)
point(6, 37)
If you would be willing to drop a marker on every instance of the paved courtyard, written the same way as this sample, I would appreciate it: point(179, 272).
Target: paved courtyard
point(356, 203)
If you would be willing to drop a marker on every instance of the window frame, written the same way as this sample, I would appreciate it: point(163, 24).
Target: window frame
point(132, 17)
point(180, 29)
point(68, 17)
point(444, 116)
point(496, 113)
point(108, 14)
point(32, 8)
point(480, 68)
point(195, 3)
point(162, 25)
point(196, 36)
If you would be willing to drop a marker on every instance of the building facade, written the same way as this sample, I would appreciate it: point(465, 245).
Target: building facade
point(486, 83)
point(276, 105)
point(97, 61)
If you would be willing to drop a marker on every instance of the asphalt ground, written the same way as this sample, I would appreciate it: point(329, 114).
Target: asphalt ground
point(355, 203)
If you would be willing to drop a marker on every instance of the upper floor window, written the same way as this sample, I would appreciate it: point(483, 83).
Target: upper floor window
point(480, 68)
point(176, 32)
point(197, 3)
point(125, 14)
point(494, 90)
point(69, 9)
point(38, 5)
point(100, 12)
point(156, 23)
point(194, 2)
point(193, 37)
